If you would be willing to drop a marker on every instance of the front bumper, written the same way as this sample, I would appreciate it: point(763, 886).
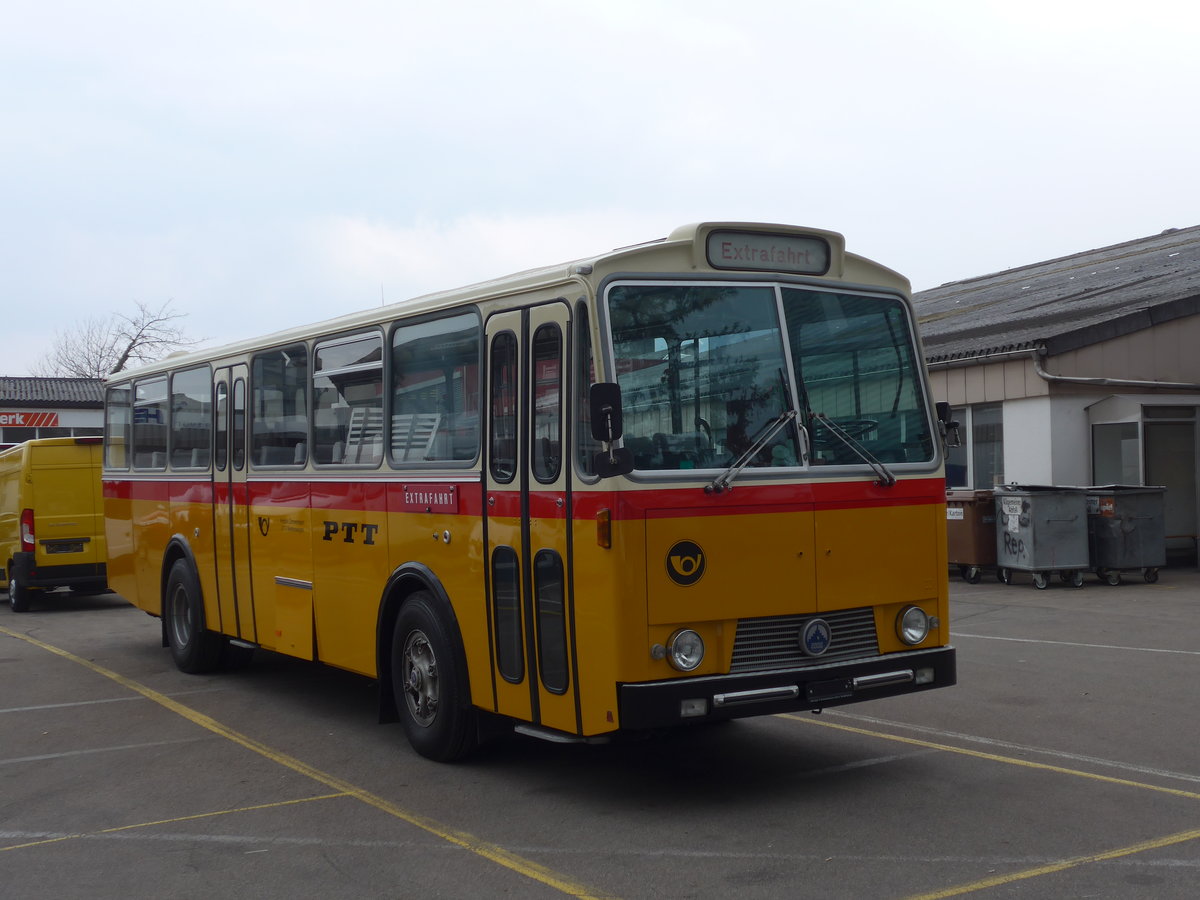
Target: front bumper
point(659, 704)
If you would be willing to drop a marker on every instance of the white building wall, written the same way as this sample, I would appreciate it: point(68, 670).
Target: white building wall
point(1046, 441)
point(1070, 440)
point(1026, 439)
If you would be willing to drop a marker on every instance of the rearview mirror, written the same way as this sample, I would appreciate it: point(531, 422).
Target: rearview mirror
point(949, 429)
point(605, 399)
point(607, 427)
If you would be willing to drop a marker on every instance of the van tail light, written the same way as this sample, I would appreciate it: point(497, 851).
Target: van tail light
point(27, 535)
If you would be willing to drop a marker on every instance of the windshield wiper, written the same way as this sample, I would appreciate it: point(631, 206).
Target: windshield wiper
point(723, 481)
point(886, 478)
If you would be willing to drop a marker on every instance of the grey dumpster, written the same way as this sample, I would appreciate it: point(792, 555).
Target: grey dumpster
point(1126, 531)
point(1043, 530)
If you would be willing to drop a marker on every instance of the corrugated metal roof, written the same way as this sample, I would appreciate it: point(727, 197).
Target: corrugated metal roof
point(1065, 303)
point(66, 393)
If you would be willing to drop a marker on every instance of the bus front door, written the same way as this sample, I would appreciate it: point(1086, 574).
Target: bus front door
point(528, 517)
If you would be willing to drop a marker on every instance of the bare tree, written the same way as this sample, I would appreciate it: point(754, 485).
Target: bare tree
point(93, 348)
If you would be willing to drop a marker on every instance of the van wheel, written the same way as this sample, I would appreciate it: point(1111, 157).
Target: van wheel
point(194, 647)
point(18, 595)
point(429, 681)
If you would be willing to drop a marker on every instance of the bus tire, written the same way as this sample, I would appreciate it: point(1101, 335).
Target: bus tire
point(18, 595)
point(429, 681)
point(194, 648)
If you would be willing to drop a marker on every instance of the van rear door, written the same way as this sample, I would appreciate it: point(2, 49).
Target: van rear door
point(67, 504)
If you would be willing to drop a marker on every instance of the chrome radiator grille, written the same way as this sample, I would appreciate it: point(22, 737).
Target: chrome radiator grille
point(773, 642)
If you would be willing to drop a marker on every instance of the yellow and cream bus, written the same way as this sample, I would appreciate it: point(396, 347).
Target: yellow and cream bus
point(685, 481)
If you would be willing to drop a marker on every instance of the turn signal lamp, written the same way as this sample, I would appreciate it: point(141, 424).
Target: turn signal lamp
point(604, 529)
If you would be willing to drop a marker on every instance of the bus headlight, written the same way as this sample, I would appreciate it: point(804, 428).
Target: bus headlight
point(685, 649)
point(912, 625)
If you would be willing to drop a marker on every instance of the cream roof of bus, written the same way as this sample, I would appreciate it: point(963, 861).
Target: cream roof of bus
point(681, 251)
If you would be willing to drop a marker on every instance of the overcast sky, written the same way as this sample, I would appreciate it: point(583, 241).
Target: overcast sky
point(264, 164)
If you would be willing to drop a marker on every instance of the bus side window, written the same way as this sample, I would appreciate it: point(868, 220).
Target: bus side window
point(117, 419)
point(502, 448)
point(150, 409)
point(239, 424)
point(435, 390)
point(586, 446)
point(348, 401)
point(280, 407)
point(191, 418)
point(546, 443)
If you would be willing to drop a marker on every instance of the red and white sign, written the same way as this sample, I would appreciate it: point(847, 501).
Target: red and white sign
point(22, 419)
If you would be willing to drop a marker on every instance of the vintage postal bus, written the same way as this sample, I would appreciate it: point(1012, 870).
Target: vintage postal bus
point(687, 480)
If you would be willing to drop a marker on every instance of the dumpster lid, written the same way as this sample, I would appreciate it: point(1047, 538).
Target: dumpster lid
point(1123, 488)
point(1038, 488)
point(967, 494)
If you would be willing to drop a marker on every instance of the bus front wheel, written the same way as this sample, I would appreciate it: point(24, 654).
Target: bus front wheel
point(429, 682)
point(194, 648)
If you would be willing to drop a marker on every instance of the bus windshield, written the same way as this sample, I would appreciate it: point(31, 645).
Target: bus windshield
point(704, 370)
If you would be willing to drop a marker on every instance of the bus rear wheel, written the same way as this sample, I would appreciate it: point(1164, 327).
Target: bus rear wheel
point(429, 681)
point(194, 648)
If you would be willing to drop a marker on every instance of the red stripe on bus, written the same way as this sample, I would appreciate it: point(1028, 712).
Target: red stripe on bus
point(383, 497)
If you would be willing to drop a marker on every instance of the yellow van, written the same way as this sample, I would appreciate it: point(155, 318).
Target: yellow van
point(51, 518)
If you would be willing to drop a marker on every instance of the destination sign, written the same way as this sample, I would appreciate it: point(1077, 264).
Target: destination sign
point(768, 252)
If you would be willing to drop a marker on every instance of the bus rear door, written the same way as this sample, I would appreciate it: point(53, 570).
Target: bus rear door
point(231, 507)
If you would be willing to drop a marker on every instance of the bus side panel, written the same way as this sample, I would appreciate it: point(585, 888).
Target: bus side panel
point(610, 613)
point(457, 564)
point(150, 520)
point(191, 518)
point(281, 608)
point(118, 539)
point(350, 566)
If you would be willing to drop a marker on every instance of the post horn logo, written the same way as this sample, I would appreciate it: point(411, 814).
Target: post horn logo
point(264, 525)
point(685, 563)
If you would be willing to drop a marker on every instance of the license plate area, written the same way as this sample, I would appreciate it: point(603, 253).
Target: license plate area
point(824, 691)
point(63, 546)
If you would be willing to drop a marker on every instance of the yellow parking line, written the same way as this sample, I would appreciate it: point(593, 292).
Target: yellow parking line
point(492, 852)
point(207, 815)
point(1153, 844)
point(1180, 838)
point(994, 757)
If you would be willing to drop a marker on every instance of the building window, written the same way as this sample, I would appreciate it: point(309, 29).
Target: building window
point(987, 445)
point(1116, 453)
point(979, 462)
